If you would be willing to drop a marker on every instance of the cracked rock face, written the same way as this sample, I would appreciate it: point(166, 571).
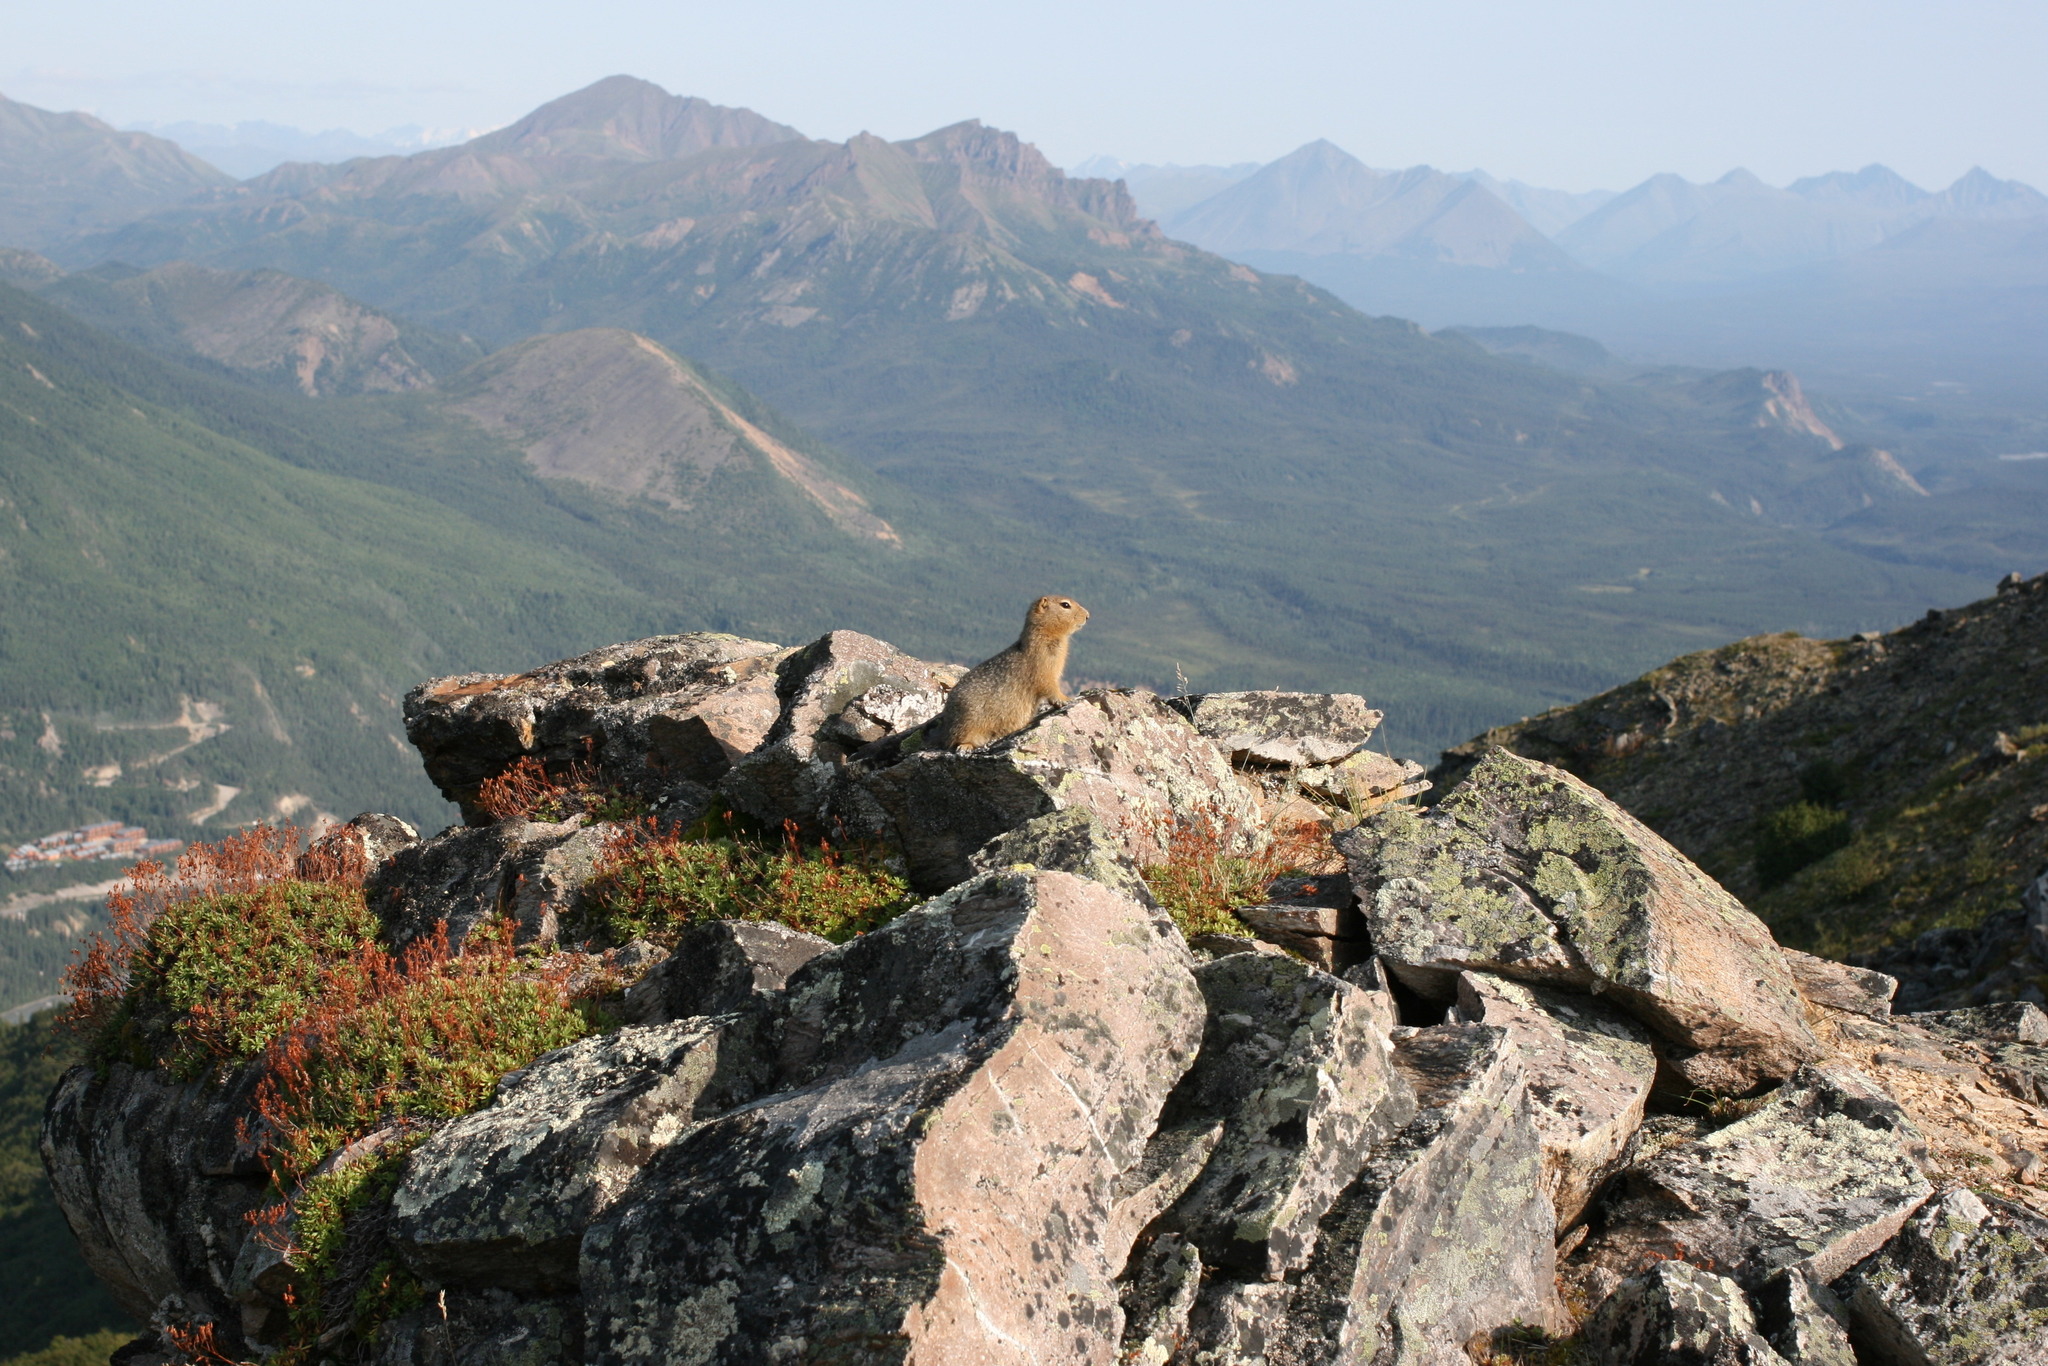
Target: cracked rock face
point(1526, 872)
point(501, 1197)
point(963, 1090)
point(1590, 1070)
point(663, 718)
point(1130, 759)
point(1967, 1281)
point(1814, 1181)
point(1678, 1315)
point(1282, 729)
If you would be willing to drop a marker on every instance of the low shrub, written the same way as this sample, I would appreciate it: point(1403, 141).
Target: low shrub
point(1204, 879)
point(527, 791)
point(1794, 836)
point(651, 883)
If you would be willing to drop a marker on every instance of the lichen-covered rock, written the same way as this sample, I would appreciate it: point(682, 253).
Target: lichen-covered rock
point(1804, 1320)
point(2006, 1022)
point(839, 692)
point(1447, 1233)
point(964, 1089)
point(155, 1178)
point(1838, 986)
point(532, 871)
point(1127, 757)
point(1589, 1069)
point(1812, 1182)
point(1069, 841)
point(1301, 1075)
point(662, 719)
point(501, 1196)
point(1675, 1314)
point(1527, 872)
point(718, 966)
point(1965, 1282)
point(1281, 729)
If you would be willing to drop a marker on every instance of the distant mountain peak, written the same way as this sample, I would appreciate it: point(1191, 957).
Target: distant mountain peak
point(623, 118)
point(1875, 186)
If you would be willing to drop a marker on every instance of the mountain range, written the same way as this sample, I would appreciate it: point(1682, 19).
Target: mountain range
point(740, 379)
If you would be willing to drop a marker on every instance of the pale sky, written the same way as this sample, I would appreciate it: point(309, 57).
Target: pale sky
point(1568, 93)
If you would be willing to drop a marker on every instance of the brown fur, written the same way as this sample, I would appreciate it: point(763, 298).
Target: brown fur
point(1000, 696)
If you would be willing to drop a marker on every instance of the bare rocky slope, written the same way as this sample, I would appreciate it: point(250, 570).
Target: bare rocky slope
point(1528, 1083)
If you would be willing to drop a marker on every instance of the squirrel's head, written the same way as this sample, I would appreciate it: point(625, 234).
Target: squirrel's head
point(1062, 616)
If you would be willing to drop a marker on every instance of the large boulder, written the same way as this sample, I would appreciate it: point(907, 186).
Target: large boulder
point(1810, 1183)
point(961, 1094)
point(834, 696)
point(156, 1179)
point(1965, 1282)
point(1590, 1071)
point(1527, 872)
point(662, 719)
point(1129, 758)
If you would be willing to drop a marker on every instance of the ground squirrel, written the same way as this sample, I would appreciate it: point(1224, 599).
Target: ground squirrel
point(1001, 695)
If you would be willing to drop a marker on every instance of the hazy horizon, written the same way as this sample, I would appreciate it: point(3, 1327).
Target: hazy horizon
point(1598, 94)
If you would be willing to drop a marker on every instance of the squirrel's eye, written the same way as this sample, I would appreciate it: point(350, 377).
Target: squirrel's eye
point(1065, 603)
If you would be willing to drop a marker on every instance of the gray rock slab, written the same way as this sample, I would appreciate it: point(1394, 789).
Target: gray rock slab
point(1128, 758)
point(466, 875)
point(1838, 986)
point(1676, 1314)
point(970, 1084)
point(2006, 1022)
point(1069, 841)
point(1805, 1321)
point(718, 966)
point(501, 1196)
point(1813, 1181)
point(155, 1182)
point(1527, 872)
point(1366, 779)
point(662, 718)
point(1282, 729)
point(1965, 1282)
point(1297, 1069)
point(1590, 1069)
point(1446, 1234)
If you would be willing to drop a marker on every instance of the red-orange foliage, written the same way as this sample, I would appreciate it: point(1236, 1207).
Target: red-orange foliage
point(527, 790)
point(1205, 877)
point(97, 977)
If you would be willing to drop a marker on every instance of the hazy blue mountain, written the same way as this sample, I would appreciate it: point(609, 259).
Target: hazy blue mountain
point(252, 147)
point(61, 174)
point(1668, 230)
point(1163, 191)
point(1547, 211)
point(1320, 200)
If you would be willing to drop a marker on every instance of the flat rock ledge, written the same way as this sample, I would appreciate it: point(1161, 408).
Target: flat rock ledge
point(1519, 1046)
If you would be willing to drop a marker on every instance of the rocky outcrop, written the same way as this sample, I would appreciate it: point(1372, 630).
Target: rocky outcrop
point(1519, 1044)
point(1527, 872)
point(663, 719)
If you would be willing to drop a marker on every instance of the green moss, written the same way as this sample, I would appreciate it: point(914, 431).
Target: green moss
point(651, 887)
point(218, 977)
point(326, 1298)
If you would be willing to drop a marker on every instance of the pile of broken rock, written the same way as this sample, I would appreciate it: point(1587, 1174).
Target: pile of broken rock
point(1532, 1074)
